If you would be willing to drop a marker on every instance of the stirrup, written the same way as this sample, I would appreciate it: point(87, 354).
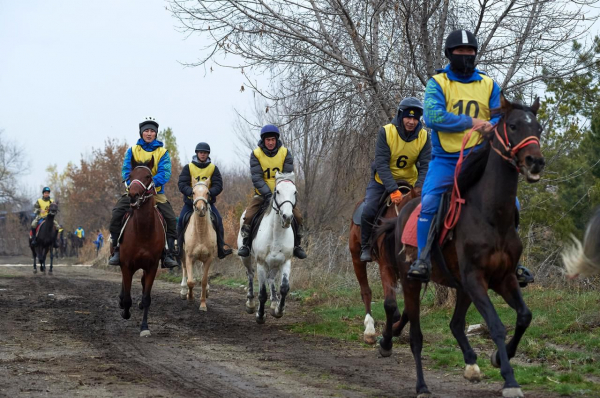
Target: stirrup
point(365, 254)
point(419, 271)
point(115, 258)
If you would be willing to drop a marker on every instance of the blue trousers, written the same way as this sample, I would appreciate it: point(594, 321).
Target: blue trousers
point(374, 192)
point(187, 208)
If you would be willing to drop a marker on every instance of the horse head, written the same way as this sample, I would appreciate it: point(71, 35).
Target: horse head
point(142, 185)
point(201, 196)
point(284, 197)
point(53, 209)
point(519, 134)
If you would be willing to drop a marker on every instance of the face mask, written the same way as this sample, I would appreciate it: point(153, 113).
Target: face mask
point(462, 64)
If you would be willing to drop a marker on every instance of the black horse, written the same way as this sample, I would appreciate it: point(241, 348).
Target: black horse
point(45, 239)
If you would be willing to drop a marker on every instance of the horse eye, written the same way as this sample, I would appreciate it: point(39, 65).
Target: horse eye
point(512, 126)
point(277, 192)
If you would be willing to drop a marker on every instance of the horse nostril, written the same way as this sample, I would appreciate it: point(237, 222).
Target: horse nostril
point(540, 162)
point(529, 160)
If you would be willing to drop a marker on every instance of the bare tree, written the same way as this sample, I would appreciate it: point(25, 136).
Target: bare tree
point(12, 165)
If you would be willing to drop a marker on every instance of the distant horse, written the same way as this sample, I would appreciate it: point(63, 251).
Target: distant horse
point(272, 248)
point(45, 239)
point(200, 244)
point(584, 259)
point(360, 267)
point(484, 251)
point(143, 240)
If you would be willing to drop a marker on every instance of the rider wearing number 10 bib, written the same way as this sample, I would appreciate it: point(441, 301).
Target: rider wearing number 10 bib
point(266, 160)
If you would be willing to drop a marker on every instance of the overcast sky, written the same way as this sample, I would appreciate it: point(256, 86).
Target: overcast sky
point(73, 73)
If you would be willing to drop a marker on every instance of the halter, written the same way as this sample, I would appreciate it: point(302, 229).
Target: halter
point(149, 190)
point(510, 152)
point(274, 202)
point(203, 199)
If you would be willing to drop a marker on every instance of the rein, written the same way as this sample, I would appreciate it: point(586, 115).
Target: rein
point(274, 202)
point(149, 190)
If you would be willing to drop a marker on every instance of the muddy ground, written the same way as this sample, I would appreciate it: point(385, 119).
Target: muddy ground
point(63, 336)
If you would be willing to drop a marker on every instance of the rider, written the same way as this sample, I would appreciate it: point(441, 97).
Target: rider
point(268, 158)
point(456, 99)
point(40, 208)
point(403, 152)
point(147, 147)
point(79, 232)
point(201, 168)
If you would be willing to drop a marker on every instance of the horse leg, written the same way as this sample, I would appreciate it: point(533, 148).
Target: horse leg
point(284, 289)
point(271, 275)
point(390, 304)
point(204, 292)
point(399, 325)
point(262, 293)
point(512, 295)
point(250, 305)
point(125, 296)
point(34, 260)
point(457, 326)
point(412, 303)
point(51, 259)
point(190, 277)
point(476, 287)
point(360, 269)
point(142, 280)
point(147, 300)
point(184, 288)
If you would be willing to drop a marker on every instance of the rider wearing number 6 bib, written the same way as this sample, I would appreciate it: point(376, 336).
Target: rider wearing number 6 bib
point(266, 160)
point(456, 99)
point(402, 152)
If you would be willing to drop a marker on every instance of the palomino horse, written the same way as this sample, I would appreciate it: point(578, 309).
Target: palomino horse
point(360, 267)
point(143, 240)
point(272, 249)
point(485, 248)
point(45, 238)
point(200, 244)
point(584, 259)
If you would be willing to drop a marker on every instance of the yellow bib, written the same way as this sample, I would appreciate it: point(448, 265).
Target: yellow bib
point(141, 156)
point(471, 99)
point(79, 233)
point(198, 174)
point(44, 206)
point(403, 155)
point(271, 165)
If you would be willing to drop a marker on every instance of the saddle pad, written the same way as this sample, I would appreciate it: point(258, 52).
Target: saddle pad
point(409, 235)
point(358, 213)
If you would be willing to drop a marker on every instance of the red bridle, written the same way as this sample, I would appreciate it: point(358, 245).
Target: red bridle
point(510, 152)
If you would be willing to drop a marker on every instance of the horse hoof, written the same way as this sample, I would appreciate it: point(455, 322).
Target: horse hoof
point(370, 338)
point(424, 395)
point(260, 320)
point(125, 314)
point(183, 296)
point(273, 305)
point(493, 359)
point(250, 310)
point(35, 271)
point(276, 314)
point(140, 305)
point(472, 373)
point(145, 333)
point(514, 392)
point(385, 352)
point(203, 308)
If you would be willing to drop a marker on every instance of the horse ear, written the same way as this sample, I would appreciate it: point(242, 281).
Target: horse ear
point(536, 106)
point(277, 174)
point(151, 163)
point(505, 104)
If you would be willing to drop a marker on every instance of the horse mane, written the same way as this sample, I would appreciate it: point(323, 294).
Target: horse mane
point(285, 176)
point(474, 167)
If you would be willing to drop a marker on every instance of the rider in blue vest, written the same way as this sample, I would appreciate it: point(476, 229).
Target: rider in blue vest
point(456, 99)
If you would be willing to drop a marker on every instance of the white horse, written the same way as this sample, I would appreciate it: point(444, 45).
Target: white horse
point(272, 248)
point(200, 244)
point(584, 259)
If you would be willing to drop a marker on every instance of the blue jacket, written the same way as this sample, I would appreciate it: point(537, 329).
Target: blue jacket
point(439, 119)
point(163, 170)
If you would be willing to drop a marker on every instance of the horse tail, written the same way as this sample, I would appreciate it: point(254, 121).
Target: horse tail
point(584, 259)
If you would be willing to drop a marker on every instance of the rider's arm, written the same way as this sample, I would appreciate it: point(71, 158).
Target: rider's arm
point(288, 163)
point(216, 184)
point(36, 208)
point(163, 172)
point(495, 103)
point(126, 169)
point(257, 176)
point(437, 117)
point(185, 181)
point(382, 162)
point(423, 162)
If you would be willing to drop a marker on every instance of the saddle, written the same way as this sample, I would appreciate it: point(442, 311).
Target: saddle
point(126, 218)
point(409, 235)
point(255, 223)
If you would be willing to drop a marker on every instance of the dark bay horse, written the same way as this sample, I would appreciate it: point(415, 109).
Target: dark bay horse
point(485, 248)
point(143, 241)
point(45, 239)
point(360, 267)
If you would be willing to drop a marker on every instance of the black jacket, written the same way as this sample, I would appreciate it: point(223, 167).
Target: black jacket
point(383, 154)
point(185, 181)
point(257, 171)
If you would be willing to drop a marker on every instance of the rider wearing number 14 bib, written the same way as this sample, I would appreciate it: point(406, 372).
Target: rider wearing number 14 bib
point(266, 160)
point(456, 99)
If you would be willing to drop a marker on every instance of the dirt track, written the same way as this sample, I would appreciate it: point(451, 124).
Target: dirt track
point(75, 343)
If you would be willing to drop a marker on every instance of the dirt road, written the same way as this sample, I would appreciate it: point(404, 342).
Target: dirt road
point(62, 336)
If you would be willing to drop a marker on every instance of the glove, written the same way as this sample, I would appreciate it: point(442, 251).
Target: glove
point(396, 197)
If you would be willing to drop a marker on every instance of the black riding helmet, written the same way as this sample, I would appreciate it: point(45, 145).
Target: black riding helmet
point(460, 38)
point(202, 146)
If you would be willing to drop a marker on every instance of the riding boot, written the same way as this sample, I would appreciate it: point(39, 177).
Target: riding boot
point(298, 250)
point(244, 250)
point(365, 253)
point(524, 276)
point(169, 261)
point(115, 258)
point(221, 251)
point(420, 270)
point(33, 241)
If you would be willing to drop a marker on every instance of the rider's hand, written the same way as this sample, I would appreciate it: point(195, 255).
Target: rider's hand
point(396, 196)
point(483, 126)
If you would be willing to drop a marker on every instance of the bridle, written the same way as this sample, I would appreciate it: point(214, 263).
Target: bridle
point(203, 199)
point(149, 190)
point(277, 206)
point(508, 152)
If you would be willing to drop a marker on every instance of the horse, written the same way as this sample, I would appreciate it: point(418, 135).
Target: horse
point(485, 248)
point(272, 249)
point(360, 267)
point(584, 259)
point(143, 240)
point(45, 239)
point(200, 244)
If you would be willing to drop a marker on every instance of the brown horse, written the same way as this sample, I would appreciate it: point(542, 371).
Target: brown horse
point(143, 240)
point(484, 251)
point(45, 240)
point(360, 267)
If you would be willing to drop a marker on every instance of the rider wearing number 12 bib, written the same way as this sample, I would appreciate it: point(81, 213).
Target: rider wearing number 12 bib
point(266, 160)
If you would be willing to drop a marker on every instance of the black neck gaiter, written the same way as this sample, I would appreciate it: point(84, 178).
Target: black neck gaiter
point(463, 65)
